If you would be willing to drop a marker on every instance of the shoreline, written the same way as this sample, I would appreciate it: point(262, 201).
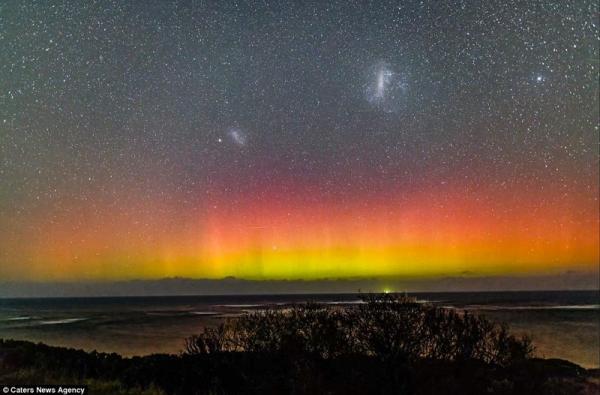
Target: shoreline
point(27, 363)
point(150, 325)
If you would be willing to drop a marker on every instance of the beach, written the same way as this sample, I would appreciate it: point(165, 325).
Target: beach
point(562, 324)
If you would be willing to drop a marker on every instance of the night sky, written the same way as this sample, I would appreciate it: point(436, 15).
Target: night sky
point(273, 140)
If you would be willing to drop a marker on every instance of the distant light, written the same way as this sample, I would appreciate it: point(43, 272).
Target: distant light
point(387, 291)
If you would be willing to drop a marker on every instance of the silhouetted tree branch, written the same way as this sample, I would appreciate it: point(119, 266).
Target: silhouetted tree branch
point(387, 326)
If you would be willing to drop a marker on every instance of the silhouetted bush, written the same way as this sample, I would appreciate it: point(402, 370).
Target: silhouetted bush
point(386, 326)
point(372, 348)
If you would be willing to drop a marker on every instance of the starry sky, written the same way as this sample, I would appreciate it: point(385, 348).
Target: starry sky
point(289, 140)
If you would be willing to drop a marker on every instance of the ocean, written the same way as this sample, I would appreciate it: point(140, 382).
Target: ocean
point(562, 324)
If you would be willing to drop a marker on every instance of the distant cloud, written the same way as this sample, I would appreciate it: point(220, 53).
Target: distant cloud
point(234, 286)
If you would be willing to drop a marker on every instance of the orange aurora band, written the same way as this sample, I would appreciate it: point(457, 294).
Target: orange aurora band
point(441, 232)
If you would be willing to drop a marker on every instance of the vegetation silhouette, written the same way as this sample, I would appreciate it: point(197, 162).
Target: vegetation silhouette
point(388, 327)
point(389, 344)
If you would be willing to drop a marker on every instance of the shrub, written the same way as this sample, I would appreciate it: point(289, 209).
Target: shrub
point(386, 326)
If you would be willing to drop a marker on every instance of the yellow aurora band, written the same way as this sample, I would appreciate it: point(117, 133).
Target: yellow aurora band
point(284, 239)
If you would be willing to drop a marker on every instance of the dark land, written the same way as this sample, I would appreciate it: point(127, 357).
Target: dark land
point(388, 345)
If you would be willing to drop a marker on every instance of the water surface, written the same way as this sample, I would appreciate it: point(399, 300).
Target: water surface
point(562, 324)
